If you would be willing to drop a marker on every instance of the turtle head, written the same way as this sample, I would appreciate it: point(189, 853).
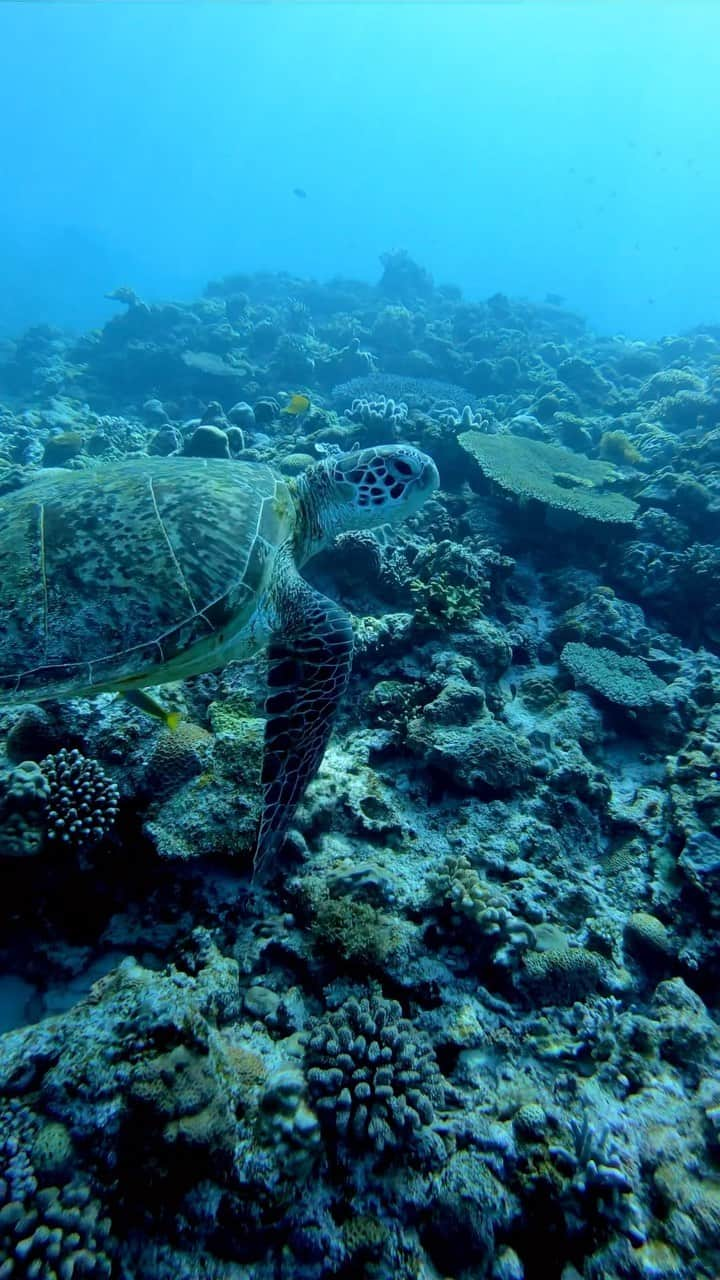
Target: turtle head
point(365, 489)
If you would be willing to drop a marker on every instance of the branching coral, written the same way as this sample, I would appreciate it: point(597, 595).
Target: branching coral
point(599, 1185)
point(379, 414)
point(457, 885)
point(50, 1224)
point(374, 1078)
point(82, 801)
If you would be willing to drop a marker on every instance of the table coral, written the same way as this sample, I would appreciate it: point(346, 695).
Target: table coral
point(620, 678)
point(559, 479)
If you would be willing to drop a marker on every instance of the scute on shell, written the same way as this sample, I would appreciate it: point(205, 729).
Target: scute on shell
point(107, 574)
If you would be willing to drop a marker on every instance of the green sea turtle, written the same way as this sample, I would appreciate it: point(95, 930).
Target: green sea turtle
point(155, 569)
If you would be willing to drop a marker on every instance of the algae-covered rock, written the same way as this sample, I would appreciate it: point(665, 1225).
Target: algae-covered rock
point(215, 812)
point(480, 757)
point(563, 481)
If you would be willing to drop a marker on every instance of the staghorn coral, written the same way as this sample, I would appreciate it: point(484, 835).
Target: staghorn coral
point(451, 585)
point(82, 801)
point(374, 1080)
point(599, 1187)
point(357, 932)
point(441, 605)
point(562, 481)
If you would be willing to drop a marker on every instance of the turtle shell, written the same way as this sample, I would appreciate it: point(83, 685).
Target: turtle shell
point(134, 573)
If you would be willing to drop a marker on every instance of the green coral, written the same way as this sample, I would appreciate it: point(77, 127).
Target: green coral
point(561, 480)
point(615, 446)
point(443, 605)
point(356, 931)
point(622, 679)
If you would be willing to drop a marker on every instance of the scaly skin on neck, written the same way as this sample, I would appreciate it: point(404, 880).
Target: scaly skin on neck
point(314, 527)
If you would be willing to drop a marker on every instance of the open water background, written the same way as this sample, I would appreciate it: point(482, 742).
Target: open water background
point(523, 147)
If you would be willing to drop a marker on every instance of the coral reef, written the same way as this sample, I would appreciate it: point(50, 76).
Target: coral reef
point(469, 1026)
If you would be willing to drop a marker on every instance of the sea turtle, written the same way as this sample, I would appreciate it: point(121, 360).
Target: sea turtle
point(154, 569)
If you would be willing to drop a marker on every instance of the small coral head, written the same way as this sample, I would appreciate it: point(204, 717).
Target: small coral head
point(382, 485)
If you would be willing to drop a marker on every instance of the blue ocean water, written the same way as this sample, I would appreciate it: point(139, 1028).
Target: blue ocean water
point(540, 147)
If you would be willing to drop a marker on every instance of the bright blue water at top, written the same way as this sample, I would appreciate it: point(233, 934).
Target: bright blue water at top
point(522, 147)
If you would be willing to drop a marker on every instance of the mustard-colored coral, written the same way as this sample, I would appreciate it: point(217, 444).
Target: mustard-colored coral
point(615, 446)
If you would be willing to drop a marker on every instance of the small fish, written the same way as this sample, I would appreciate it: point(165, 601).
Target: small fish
point(297, 404)
point(142, 700)
point(300, 193)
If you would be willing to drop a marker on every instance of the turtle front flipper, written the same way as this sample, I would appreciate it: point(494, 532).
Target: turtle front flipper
point(309, 658)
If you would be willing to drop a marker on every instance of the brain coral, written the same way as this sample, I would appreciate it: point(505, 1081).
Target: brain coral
point(558, 478)
point(620, 678)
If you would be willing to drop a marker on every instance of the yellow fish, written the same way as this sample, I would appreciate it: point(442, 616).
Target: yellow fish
point(297, 404)
point(142, 700)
